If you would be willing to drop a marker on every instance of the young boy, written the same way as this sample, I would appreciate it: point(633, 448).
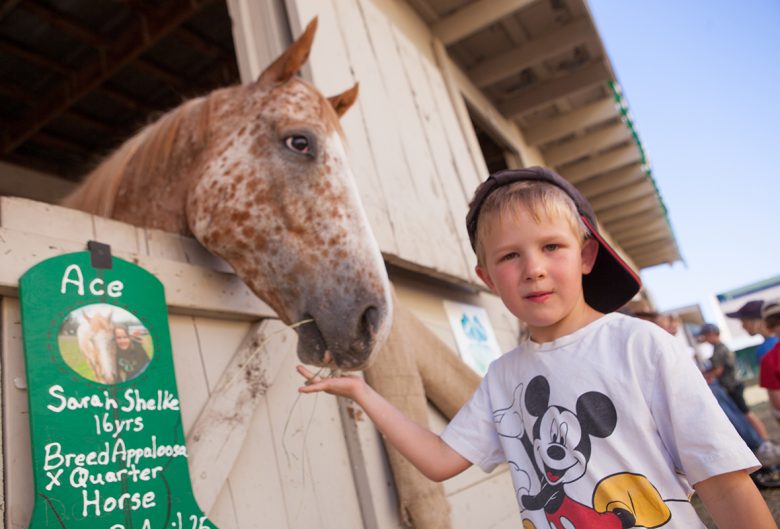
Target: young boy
point(604, 421)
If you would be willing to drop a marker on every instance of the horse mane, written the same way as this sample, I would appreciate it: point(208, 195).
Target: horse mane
point(143, 156)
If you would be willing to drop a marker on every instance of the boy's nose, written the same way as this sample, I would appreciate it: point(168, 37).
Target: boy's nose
point(534, 269)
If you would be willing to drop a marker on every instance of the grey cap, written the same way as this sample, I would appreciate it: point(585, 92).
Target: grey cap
point(611, 283)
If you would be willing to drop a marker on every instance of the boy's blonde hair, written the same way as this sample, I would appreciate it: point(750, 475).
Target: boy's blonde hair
point(542, 201)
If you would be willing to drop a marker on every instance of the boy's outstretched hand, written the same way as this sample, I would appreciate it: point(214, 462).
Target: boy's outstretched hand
point(348, 386)
point(432, 456)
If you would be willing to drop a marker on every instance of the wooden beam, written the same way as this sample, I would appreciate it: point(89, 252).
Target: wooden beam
point(625, 210)
point(473, 17)
point(654, 226)
point(550, 91)
point(50, 64)
point(88, 121)
point(618, 225)
point(27, 183)
point(128, 101)
point(199, 43)
point(7, 7)
point(14, 91)
point(62, 144)
point(622, 195)
point(66, 24)
point(657, 258)
point(560, 126)
point(497, 124)
point(149, 30)
point(587, 144)
point(657, 247)
point(162, 74)
point(609, 181)
point(581, 171)
point(533, 52)
point(646, 239)
point(261, 32)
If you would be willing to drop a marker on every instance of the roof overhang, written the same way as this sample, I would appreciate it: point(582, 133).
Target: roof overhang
point(543, 67)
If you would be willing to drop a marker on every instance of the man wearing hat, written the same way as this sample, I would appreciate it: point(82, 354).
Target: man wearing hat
point(723, 368)
point(749, 315)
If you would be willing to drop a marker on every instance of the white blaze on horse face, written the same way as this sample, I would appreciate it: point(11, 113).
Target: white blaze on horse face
point(279, 203)
point(96, 341)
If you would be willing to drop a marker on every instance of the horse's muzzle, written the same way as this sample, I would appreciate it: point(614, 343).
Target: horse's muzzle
point(351, 344)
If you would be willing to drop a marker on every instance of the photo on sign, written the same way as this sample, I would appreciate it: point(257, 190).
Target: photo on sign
point(105, 343)
point(474, 335)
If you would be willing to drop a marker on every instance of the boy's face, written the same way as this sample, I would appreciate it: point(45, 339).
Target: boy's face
point(536, 269)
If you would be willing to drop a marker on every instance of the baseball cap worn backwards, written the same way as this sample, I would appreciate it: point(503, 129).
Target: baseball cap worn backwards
point(749, 311)
point(611, 284)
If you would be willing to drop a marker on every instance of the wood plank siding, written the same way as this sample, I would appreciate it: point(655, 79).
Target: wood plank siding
point(407, 147)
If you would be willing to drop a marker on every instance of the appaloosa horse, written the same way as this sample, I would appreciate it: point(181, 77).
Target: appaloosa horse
point(258, 174)
point(96, 341)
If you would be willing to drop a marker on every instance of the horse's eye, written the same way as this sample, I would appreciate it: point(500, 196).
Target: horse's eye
point(298, 143)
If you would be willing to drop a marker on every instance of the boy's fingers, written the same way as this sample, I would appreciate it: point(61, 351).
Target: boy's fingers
point(308, 375)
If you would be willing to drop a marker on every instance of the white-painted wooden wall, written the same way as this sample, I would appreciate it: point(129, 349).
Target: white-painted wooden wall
point(408, 148)
point(298, 463)
point(415, 163)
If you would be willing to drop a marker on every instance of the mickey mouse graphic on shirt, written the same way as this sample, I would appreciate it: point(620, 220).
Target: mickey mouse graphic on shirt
point(559, 447)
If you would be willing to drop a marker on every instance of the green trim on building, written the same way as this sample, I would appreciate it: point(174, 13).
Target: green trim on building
point(625, 113)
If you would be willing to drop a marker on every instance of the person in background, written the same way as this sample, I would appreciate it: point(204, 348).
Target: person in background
point(749, 315)
point(767, 452)
point(723, 368)
point(769, 370)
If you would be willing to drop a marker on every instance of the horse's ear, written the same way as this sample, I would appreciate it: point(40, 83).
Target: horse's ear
point(344, 100)
point(289, 62)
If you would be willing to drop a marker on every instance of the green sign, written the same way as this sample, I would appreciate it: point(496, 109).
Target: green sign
point(108, 449)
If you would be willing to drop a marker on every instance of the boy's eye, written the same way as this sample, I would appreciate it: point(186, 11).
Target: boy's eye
point(551, 247)
point(510, 255)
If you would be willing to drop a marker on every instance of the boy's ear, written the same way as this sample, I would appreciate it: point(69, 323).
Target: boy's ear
point(485, 277)
point(590, 249)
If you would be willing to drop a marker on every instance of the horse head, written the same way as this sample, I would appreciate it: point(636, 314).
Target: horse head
point(262, 174)
point(96, 341)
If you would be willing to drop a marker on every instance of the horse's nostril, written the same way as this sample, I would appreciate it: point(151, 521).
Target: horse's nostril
point(369, 321)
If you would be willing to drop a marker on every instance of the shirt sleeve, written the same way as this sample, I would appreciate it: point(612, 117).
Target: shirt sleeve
point(472, 432)
point(695, 431)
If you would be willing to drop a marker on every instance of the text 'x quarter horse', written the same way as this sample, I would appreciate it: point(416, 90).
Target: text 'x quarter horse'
point(259, 175)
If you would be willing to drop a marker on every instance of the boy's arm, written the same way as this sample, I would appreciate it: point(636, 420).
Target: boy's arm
point(733, 501)
point(423, 448)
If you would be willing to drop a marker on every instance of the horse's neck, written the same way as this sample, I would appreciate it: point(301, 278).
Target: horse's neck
point(154, 190)
point(145, 182)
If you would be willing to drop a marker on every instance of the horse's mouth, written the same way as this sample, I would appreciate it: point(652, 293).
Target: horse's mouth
point(313, 348)
point(311, 343)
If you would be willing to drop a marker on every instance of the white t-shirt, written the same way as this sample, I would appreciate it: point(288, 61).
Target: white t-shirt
point(612, 415)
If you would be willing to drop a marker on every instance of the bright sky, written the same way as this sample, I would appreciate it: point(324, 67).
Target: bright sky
point(702, 79)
